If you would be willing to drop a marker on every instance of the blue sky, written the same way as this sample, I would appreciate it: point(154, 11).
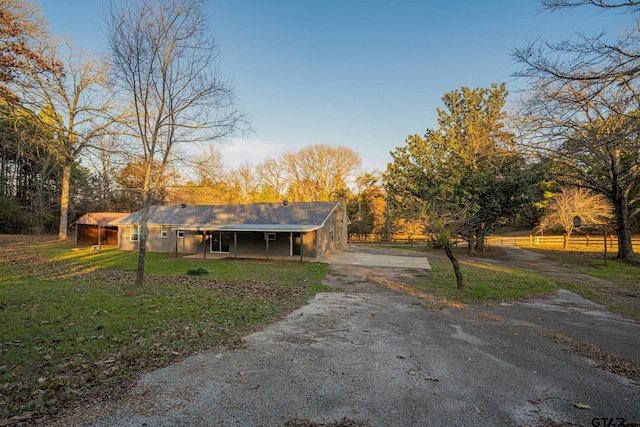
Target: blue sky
point(364, 74)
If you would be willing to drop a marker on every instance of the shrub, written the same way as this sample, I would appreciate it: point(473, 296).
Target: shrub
point(197, 271)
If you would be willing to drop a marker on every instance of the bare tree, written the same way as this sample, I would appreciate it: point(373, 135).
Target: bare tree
point(572, 202)
point(105, 158)
point(244, 182)
point(598, 58)
point(272, 180)
point(592, 141)
point(74, 107)
point(208, 166)
point(165, 63)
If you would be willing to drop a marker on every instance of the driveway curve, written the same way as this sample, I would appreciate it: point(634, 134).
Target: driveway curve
point(368, 355)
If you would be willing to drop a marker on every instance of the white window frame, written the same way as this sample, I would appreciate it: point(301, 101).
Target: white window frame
point(134, 231)
point(180, 234)
point(164, 231)
point(268, 235)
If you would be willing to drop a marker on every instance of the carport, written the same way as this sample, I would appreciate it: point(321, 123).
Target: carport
point(94, 229)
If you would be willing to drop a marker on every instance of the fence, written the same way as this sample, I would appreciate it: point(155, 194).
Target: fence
point(581, 240)
point(524, 241)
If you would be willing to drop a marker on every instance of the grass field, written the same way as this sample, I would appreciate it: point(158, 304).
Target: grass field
point(491, 283)
point(73, 324)
point(483, 283)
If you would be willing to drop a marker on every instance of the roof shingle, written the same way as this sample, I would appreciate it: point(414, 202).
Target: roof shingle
point(300, 216)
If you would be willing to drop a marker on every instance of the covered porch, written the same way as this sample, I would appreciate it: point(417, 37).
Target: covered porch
point(250, 242)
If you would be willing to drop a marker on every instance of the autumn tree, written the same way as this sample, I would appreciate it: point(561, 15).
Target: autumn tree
point(243, 182)
point(272, 180)
point(23, 33)
point(208, 181)
point(165, 65)
point(319, 172)
point(130, 183)
point(571, 202)
point(367, 207)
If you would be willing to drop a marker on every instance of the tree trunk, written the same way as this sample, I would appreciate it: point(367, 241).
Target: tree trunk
point(625, 247)
point(64, 200)
point(147, 199)
point(142, 250)
point(480, 238)
point(471, 243)
point(456, 266)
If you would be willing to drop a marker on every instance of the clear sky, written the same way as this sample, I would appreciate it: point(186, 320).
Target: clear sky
point(364, 74)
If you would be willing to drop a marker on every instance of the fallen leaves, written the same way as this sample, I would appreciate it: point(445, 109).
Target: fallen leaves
point(581, 406)
point(615, 364)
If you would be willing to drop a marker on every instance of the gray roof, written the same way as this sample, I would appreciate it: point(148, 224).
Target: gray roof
point(297, 217)
point(99, 218)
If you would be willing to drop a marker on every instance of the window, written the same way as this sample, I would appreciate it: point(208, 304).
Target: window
point(164, 231)
point(135, 233)
point(269, 236)
point(180, 234)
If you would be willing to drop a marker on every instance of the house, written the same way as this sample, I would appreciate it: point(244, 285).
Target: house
point(278, 229)
point(94, 228)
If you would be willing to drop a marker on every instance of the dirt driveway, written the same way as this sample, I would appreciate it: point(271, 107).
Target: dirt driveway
point(369, 355)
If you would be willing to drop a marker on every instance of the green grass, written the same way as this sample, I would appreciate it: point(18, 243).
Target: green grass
point(485, 283)
point(72, 323)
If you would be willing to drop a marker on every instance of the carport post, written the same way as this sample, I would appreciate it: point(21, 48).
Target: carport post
point(176, 243)
point(204, 244)
point(301, 245)
point(235, 245)
point(266, 239)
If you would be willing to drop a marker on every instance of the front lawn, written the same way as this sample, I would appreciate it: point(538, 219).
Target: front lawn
point(73, 325)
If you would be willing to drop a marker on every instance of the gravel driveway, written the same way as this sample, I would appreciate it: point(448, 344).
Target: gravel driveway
point(368, 355)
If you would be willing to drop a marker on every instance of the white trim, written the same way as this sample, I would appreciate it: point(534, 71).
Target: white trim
point(164, 231)
point(136, 233)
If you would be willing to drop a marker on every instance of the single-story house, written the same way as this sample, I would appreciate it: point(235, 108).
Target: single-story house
point(94, 228)
point(279, 229)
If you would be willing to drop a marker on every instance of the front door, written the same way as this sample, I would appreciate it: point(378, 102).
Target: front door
point(220, 241)
point(296, 244)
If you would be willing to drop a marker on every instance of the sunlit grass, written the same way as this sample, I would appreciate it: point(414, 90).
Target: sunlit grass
point(483, 282)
